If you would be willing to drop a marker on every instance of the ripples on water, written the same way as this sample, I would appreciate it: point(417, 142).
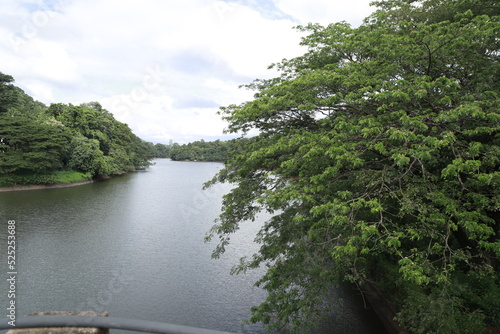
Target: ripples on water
point(133, 246)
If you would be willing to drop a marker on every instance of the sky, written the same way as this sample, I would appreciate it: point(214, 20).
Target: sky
point(163, 67)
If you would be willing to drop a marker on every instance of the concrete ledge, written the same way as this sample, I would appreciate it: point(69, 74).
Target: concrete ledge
point(61, 330)
point(73, 321)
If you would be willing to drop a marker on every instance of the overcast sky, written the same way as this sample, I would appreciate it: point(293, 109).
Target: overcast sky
point(163, 67)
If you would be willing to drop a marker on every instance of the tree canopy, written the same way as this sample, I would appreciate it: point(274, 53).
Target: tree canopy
point(7, 92)
point(200, 151)
point(36, 139)
point(378, 155)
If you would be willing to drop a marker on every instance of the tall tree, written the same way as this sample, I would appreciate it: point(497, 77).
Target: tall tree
point(87, 157)
point(28, 146)
point(378, 154)
point(7, 92)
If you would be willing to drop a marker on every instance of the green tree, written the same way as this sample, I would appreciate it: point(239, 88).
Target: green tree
point(38, 139)
point(162, 150)
point(23, 105)
point(378, 155)
point(28, 146)
point(122, 150)
point(7, 92)
point(86, 157)
point(200, 151)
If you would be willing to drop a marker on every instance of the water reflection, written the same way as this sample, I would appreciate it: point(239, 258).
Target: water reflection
point(133, 246)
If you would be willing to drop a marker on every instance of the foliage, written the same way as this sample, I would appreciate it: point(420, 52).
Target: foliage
point(200, 151)
point(380, 142)
point(7, 92)
point(422, 310)
point(30, 146)
point(87, 157)
point(70, 176)
point(162, 150)
point(35, 138)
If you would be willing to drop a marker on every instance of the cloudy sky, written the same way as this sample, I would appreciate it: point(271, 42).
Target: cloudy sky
point(163, 67)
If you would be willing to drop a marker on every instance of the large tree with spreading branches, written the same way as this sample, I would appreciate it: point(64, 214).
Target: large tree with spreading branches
point(378, 154)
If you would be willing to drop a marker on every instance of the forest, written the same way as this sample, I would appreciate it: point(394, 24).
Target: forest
point(63, 143)
point(201, 150)
point(378, 160)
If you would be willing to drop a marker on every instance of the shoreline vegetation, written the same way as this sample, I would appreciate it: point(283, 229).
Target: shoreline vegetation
point(202, 151)
point(65, 143)
point(54, 180)
point(45, 178)
point(63, 179)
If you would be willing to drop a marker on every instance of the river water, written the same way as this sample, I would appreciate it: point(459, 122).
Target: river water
point(133, 246)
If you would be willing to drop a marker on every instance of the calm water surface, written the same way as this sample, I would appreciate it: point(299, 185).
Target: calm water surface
point(133, 246)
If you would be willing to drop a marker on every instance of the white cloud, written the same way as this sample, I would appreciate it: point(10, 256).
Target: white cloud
point(42, 91)
point(163, 67)
point(326, 11)
point(51, 62)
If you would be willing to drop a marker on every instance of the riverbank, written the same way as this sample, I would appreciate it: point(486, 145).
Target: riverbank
point(62, 184)
point(43, 186)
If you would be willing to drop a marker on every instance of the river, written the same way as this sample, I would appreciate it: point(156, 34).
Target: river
point(133, 246)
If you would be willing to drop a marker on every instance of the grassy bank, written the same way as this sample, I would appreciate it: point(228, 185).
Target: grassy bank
point(47, 178)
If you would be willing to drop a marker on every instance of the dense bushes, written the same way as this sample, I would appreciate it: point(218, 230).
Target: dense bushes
point(46, 178)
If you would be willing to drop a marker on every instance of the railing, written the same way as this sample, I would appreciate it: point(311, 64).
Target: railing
point(144, 326)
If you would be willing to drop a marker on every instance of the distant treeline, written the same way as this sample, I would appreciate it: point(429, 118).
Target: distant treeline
point(217, 151)
point(200, 151)
point(76, 142)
